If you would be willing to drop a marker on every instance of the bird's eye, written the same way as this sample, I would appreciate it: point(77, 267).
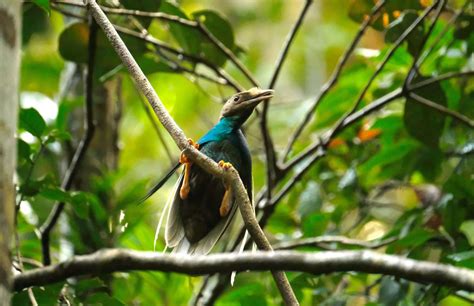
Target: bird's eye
point(236, 99)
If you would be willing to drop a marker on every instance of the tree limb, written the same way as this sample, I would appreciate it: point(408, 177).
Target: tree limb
point(181, 141)
point(114, 260)
point(334, 77)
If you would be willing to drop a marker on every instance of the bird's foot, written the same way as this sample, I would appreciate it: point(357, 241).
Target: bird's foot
point(227, 199)
point(183, 159)
point(224, 165)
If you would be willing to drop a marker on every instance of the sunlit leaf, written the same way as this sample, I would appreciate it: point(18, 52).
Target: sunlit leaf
point(31, 121)
point(467, 228)
point(55, 194)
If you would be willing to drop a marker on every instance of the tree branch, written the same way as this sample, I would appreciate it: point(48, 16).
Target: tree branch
point(323, 241)
point(272, 167)
point(115, 260)
point(333, 79)
point(443, 110)
point(380, 67)
point(48, 225)
point(181, 141)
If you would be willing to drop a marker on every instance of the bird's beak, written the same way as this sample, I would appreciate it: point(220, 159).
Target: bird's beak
point(257, 95)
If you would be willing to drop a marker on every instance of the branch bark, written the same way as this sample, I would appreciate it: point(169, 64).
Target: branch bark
point(181, 141)
point(10, 41)
point(114, 260)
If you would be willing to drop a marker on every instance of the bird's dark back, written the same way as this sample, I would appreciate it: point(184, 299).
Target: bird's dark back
point(200, 211)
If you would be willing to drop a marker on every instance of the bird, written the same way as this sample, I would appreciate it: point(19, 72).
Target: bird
point(201, 206)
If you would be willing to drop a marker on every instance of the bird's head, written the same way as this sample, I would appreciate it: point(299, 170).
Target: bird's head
point(242, 104)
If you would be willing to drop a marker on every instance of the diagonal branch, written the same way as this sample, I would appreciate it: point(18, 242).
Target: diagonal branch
point(381, 66)
point(272, 167)
point(181, 141)
point(443, 110)
point(114, 260)
point(419, 58)
point(324, 241)
point(334, 77)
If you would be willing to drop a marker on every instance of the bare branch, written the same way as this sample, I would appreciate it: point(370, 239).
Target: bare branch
point(181, 54)
point(114, 260)
point(446, 28)
point(334, 77)
point(419, 58)
point(444, 110)
point(272, 167)
point(437, 79)
point(89, 127)
point(323, 241)
point(380, 67)
point(181, 141)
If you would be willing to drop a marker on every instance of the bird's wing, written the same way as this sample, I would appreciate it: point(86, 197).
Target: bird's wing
point(174, 231)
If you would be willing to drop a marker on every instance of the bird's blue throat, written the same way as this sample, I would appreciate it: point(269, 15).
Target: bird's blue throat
point(225, 126)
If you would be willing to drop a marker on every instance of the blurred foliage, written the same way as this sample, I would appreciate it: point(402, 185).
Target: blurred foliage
point(405, 171)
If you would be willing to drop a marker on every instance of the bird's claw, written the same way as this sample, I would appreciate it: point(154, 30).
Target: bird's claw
point(183, 159)
point(224, 165)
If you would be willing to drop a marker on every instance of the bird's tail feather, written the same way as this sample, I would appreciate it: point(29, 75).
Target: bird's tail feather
point(159, 184)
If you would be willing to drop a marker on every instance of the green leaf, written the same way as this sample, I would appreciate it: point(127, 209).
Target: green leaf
point(74, 42)
point(463, 259)
point(315, 224)
point(47, 295)
point(422, 122)
point(389, 154)
point(392, 291)
point(44, 4)
point(80, 204)
point(31, 121)
point(220, 29)
point(467, 228)
point(188, 38)
point(56, 135)
point(398, 27)
point(34, 21)
point(415, 238)
point(24, 150)
point(55, 194)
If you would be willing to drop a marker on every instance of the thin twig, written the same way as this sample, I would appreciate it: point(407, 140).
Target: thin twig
point(418, 58)
point(325, 240)
point(334, 77)
point(181, 54)
point(446, 28)
point(272, 167)
point(113, 260)
point(79, 154)
point(442, 77)
point(180, 139)
point(443, 110)
point(379, 69)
